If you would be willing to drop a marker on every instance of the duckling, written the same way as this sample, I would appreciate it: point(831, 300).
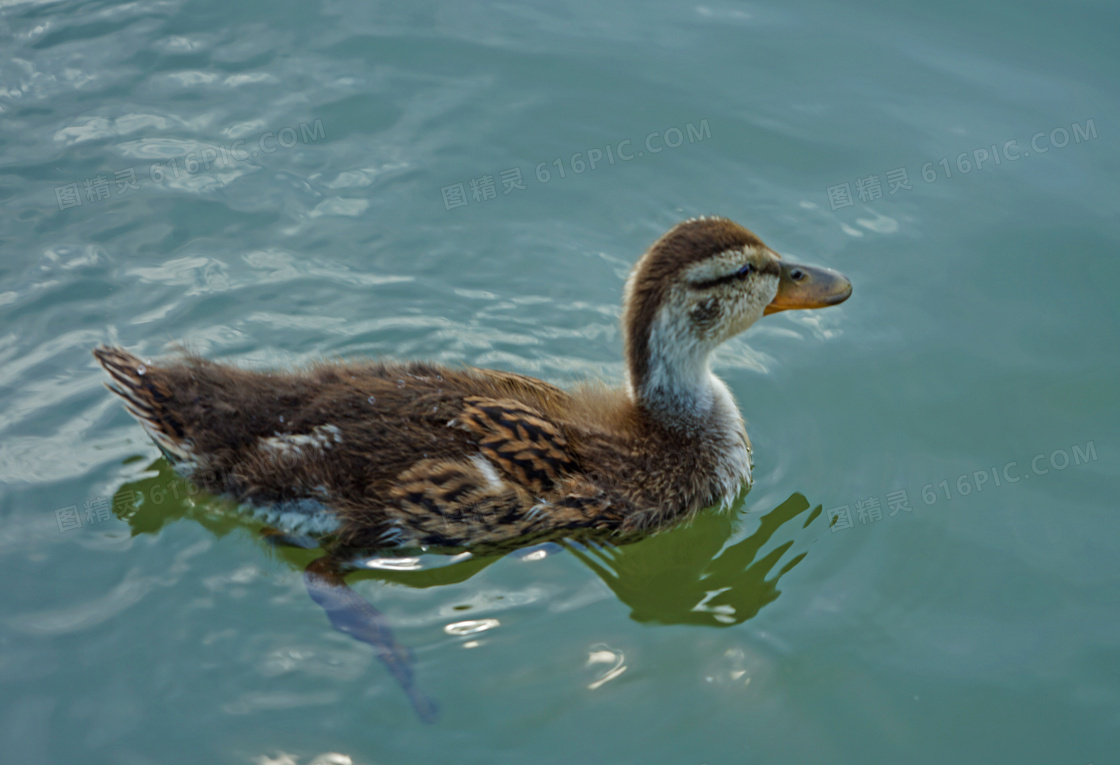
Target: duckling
point(375, 454)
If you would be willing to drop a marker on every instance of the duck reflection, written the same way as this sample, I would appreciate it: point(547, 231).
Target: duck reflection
point(689, 576)
point(686, 575)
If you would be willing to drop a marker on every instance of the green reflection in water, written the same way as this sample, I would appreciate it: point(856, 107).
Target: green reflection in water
point(686, 575)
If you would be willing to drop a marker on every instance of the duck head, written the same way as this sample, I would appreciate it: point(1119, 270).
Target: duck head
point(703, 282)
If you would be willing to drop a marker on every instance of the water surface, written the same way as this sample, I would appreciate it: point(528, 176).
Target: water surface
point(275, 183)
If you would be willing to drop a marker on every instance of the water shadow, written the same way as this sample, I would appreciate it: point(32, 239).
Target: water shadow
point(686, 575)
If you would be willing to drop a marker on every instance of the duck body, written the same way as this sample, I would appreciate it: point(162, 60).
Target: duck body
point(377, 453)
point(417, 454)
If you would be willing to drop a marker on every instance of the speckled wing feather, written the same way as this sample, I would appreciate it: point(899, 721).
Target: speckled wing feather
point(451, 503)
point(523, 481)
point(528, 448)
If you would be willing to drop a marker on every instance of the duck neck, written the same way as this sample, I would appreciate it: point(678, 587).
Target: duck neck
point(671, 379)
point(677, 391)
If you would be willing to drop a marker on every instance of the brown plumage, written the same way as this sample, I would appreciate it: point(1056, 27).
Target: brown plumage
point(419, 454)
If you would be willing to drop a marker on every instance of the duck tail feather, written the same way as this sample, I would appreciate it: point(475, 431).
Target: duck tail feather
point(146, 397)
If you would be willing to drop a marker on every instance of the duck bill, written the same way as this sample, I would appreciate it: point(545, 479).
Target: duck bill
point(809, 287)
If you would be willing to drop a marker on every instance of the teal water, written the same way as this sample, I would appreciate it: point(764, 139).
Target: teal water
point(274, 183)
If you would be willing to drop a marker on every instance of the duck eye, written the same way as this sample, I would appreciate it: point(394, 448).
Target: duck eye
point(743, 272)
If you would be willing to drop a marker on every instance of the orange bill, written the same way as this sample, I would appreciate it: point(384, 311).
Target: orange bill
point(809, 287)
